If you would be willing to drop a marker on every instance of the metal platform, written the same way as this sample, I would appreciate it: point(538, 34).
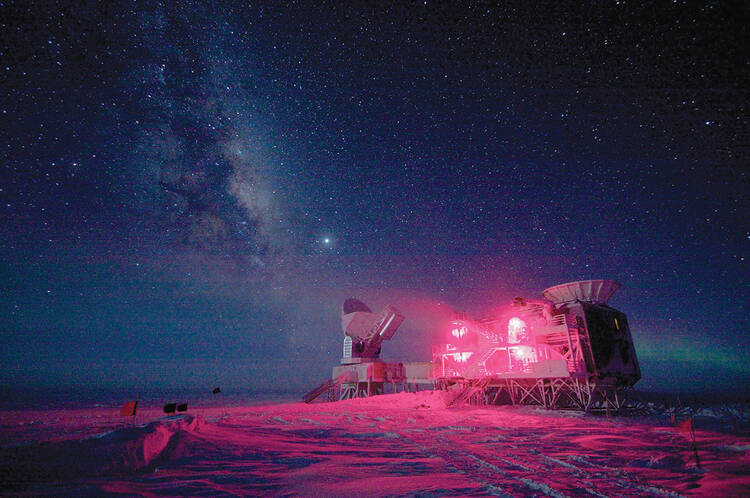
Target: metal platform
point(552, 393)
point(573, 352)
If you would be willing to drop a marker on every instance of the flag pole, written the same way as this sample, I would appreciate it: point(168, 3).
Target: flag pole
point(135, 408)
point(222, 408)
point(695, 448)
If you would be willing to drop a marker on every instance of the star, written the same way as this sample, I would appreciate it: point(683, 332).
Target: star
point(238, 153)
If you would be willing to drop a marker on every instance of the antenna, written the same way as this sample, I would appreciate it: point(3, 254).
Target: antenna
point(366, 330)
point(593, 291)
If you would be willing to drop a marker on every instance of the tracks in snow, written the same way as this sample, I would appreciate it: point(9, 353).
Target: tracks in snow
point(507, 469)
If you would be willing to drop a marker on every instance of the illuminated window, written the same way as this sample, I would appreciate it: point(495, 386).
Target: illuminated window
point(462, 357)
point(459, 332)
point(516, 330)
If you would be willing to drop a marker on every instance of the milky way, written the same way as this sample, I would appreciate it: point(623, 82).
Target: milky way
point(202, 184)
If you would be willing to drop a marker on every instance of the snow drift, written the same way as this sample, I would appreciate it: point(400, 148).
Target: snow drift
point(118, 451)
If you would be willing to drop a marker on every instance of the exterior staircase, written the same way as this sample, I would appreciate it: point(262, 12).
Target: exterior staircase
point(473, 387)
point(326, 386)
point(477, 368)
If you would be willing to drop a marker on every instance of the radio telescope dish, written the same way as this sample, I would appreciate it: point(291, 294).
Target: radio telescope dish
point(357, 319)
point(593, 291)
point(352, 305)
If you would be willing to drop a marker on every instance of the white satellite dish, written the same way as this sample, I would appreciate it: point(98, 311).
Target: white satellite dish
point(367, 330)
point(357, 319)
point(593, 291)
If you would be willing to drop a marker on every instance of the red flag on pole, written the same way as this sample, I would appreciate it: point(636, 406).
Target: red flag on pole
point(685, 425)
point(129, 408)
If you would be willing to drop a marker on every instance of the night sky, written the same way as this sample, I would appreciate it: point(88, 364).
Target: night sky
point(189, 191)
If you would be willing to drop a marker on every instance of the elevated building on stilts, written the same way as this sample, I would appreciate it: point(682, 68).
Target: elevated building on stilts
point(568, 350)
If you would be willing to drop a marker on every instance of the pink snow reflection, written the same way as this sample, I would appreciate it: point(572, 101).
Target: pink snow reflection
point(402, 444)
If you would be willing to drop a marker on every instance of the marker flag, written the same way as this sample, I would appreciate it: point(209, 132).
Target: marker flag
point(129, 408)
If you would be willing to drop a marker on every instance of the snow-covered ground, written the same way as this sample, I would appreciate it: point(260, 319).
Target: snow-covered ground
point(400, 444)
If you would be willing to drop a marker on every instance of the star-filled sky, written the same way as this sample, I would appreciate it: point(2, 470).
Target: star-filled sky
point(189, 190)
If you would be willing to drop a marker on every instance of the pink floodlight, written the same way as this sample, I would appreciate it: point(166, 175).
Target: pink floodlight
point(524, 353)
point(461, 357)
point(459, 330)
point(516, 330)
